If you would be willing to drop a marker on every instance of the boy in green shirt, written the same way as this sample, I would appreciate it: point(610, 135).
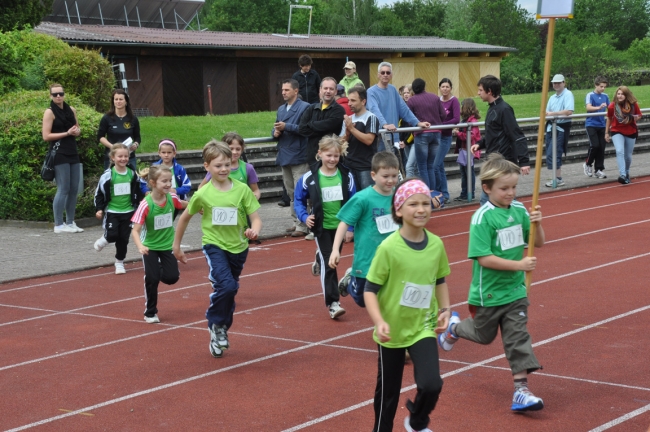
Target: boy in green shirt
point(225, 204)
point(368, 212)
point(497, 295)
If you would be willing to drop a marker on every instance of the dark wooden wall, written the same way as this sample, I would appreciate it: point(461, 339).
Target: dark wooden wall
point(222, 76)
point(182, 87)
point(148, 91)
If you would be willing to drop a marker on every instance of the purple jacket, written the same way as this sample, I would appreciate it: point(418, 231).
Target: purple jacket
point(427, 107)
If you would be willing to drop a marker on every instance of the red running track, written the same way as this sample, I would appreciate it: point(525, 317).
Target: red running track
point(76, 355)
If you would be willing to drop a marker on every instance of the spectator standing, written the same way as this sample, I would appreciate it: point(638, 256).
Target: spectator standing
point(502, 133)
point(596, 101)
point(622, 114)
point(308, 80)
point(292, 147)
point(452, 112)
point(385, 102)
point(342, 99)
point(361, 131)
point(406, 138)
point(428, 108)
point(117, 126)
point(560, 104)
point(351, 78)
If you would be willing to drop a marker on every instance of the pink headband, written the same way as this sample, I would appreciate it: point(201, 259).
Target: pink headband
point(167, 142)
point(409, 189)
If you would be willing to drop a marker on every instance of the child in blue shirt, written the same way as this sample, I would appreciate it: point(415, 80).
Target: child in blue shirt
point(596, 101)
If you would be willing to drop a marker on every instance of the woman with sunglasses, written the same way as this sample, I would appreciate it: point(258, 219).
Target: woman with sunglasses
point(60, 129)
point(117, 126)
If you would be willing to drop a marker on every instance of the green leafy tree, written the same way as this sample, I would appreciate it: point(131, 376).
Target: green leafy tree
point(10, 66)
point(19, 14)
point(254, 16)
point(421, 17)
point(639, 52)
point(350, 17)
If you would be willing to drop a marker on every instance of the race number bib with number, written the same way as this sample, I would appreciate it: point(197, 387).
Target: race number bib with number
point(386, 224)
point(416, 296)
point(122, 189)
point(224, 216)
point(511, 237)
point(332, 193)
point(162, 221)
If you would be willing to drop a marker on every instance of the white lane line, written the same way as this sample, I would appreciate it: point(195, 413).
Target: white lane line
point(621, 419)
point(461, 370)
point(183, 381)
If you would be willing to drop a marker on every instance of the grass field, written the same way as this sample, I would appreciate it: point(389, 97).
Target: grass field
point(193, 132)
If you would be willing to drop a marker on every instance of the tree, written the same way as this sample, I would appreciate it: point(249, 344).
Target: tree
point(350, 17)
point(253, 16)
point(18, 14)
point(421, 17)
point(640, 52)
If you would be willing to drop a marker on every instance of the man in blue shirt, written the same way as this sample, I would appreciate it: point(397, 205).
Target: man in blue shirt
point(596, 101)
point(560, 104)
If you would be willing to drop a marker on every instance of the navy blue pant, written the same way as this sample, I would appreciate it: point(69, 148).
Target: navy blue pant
point(355, 289)
point(225, 268)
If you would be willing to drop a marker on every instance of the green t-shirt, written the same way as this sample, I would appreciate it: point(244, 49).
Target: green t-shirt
point(224, 215)
point(368, 212)
point(158, 232)
point(332, 194)
point(120, 192)
point(503, 233)
point(239, 173)
point(407, 296)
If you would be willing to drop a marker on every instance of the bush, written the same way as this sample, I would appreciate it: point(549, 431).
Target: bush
point(23, 195)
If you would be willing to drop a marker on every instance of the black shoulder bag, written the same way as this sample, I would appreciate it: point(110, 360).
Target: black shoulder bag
point(47, 171)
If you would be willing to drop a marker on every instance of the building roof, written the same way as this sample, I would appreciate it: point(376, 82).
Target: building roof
point(141, 36)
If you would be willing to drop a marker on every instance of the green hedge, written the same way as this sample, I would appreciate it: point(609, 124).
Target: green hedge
point(23, 194)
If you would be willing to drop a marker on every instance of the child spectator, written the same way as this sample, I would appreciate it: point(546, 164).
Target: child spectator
point(469, 114)
point(224, 204)
point(155, 214)
point(329, 185)
point(497, 296)
point(404, 289)
point(308, 80)
point(117, 196)
point(596, 101)
point(368, 211)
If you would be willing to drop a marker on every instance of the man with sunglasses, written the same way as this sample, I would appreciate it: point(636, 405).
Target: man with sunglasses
point(385, 102)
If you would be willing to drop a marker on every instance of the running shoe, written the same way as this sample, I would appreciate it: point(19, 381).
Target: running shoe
point(588, 170)
point(218, 340)
point(101, 243)
point(407, 426)
point(315, 266)
point(599, 174)
point(622, 180)
point(523, 400)
point(344, 282)
point(447, 339)
point(64, 229)
point(74, 226)
point(119, 268)
point(558, 182)
point(336, 310)
point(152, 320)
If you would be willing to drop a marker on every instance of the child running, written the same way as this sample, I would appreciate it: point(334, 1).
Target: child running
point(239, 170)
point(405, 288)
point(369, 213)
point(117, 196)
point(181, 184)
point(329, 185)
point(469, 114)
point(155, 214)
point(497, 296)
point(224, 204)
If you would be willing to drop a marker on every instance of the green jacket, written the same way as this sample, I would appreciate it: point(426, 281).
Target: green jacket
point(348, 83)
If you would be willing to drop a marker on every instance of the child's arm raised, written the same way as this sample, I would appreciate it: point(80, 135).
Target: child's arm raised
point(372, 306)
point(442, 295)
point(256, 226)
point(536, 217)
point(183, 221)
point(135, 233)
point(335, 256)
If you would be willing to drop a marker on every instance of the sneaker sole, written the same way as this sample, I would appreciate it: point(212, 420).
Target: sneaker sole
point(343, 287)
point(215, 353)
point(337, 314)
point(523, 408)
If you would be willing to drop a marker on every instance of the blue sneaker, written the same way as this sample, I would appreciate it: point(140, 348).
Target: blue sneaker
point(523, 400)
point(447, 339)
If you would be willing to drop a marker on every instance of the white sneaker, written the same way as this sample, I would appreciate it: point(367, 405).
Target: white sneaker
point(524, 400)
point(407, 426)
point(600, 174)
point(64, 229)
point(309, 236)
point(119, 268)
point(152, 320)
point(336, 310)
point(587, 169)
point(75, 227)
point(101, 243)
point(558, 182)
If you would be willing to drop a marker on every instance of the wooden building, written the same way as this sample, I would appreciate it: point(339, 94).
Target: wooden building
point(169, 70)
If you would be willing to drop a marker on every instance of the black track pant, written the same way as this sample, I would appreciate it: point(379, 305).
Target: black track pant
point(328, 277)
point(424, 355)
point(118, 231)
point(159, 266)
point(597, 143)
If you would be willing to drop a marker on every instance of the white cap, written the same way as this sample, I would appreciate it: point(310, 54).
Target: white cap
point(558, 78)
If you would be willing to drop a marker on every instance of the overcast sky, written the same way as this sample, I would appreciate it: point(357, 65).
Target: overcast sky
point(531, 5)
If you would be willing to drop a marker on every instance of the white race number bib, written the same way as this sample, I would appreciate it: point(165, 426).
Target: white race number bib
point(162, 221)
point(332, 193)
point(416, 296)
point(511, 237)
point(224, 216)
point(122, 189)
point(386, 224)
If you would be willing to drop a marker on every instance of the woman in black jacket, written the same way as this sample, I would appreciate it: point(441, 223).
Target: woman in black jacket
point(118, 125)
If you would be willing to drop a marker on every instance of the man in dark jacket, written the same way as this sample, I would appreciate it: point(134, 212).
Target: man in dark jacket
point(321, 119)
point(502, 133)
point(308, 80)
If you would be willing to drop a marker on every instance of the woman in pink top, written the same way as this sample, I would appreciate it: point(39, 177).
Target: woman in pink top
point(622, 114)
point(452, 110)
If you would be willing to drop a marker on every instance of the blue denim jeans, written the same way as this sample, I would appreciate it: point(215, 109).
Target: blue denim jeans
point(439, 165)
point(355, 289)
point(411, 162)
point(463, 181)
point(362, 179)
point(67, 188)
point(225, 268)
point(426, 146)
point(549, 149)
point(624, 147)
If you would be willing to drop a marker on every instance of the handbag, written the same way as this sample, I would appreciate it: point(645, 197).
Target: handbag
point(47, 170)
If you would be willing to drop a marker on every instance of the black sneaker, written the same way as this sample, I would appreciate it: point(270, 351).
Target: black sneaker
point(623, 180)
point(315, 266)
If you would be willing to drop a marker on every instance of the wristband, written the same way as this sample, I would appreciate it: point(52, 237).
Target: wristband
point(442, 310)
